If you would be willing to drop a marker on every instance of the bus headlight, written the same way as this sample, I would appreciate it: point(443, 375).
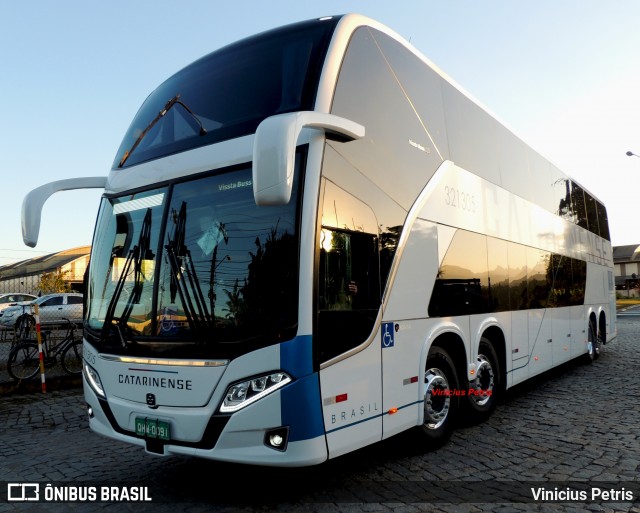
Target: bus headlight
point(246, 392)
point(92, 377)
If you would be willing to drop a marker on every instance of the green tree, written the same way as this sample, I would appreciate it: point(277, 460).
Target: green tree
point(54, 282)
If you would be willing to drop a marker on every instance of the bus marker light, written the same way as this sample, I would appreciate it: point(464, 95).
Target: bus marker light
point(392, 411)
point(336, 399)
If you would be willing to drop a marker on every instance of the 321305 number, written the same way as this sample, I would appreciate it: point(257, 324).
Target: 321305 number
point(454, 197)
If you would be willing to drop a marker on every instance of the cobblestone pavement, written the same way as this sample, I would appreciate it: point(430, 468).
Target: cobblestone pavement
point(574, 428)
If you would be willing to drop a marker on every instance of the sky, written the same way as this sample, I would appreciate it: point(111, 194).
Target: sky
point(564, 75)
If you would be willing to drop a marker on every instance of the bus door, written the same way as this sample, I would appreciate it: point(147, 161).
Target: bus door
point(348, 305)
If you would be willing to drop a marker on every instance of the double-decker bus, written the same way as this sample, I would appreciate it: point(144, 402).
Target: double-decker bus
point(312, 240)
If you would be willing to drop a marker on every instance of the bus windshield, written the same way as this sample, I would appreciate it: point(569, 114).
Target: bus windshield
point(227, 93)
point(194, 268)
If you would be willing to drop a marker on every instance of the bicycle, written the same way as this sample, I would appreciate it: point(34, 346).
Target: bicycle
point(25, 326)
point(24, 357)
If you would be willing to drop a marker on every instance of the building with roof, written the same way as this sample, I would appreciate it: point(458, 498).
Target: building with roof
point(626, 260)
point(25, 276)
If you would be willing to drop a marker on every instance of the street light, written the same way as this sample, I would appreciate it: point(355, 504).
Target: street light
point(631, 154)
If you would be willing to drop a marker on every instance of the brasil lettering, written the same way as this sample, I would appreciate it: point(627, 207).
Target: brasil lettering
point(150, 381)
point(355, 413)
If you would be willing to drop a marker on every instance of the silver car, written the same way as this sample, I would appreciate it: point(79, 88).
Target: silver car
point(53, 309)
point(12, 299)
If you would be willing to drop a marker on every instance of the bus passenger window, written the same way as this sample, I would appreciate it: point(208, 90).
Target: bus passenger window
point(462, 284)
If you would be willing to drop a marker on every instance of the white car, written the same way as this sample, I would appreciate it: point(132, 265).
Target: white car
point(53, 309)
point(12, 299)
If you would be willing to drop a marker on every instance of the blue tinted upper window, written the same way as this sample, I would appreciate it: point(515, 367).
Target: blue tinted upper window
point(227, 93)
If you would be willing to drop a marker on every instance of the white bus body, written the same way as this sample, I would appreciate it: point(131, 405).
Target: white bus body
point(374, 253)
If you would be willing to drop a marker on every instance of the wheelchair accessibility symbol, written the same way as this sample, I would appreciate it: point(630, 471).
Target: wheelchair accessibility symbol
point(387, 334)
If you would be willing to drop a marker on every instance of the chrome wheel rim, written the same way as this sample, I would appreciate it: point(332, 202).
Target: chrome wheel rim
point(437, 398)
point(481, 388)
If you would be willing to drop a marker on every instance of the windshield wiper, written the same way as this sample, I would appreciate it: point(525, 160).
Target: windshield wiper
point(184, 280)
point(135, 256)
point(108, 318)
point(167, 107)
point(140, 253)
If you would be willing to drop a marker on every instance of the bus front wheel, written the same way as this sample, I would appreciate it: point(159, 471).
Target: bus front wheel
point(441, 399)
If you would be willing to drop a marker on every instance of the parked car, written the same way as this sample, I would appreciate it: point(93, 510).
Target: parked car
point(53, 309)
point(12, 299)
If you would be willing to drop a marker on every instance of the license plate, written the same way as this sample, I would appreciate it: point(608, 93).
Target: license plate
point(152, 428)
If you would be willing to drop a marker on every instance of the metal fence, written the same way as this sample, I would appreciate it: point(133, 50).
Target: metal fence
point(53, 331)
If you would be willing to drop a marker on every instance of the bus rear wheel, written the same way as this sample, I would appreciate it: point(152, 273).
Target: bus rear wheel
point(601, 340)
point(593, 348)
point(483, 393)
point(441, 399)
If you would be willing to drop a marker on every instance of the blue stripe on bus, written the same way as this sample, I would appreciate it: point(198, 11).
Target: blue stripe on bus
point(296, 356)
point(301, 411)
point(300, 400)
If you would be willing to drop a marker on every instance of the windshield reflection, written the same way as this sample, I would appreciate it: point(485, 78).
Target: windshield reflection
point(196, 264)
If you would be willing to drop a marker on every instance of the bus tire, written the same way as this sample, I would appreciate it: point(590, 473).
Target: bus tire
point(441, 400)
point(593, 351)
point(599, 342)
point(484, 391)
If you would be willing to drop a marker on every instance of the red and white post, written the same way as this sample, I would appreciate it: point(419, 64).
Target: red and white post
point(40, 350)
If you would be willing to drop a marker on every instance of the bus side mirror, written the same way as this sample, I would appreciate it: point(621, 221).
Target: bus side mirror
point(274, 150)
point(34, 201)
